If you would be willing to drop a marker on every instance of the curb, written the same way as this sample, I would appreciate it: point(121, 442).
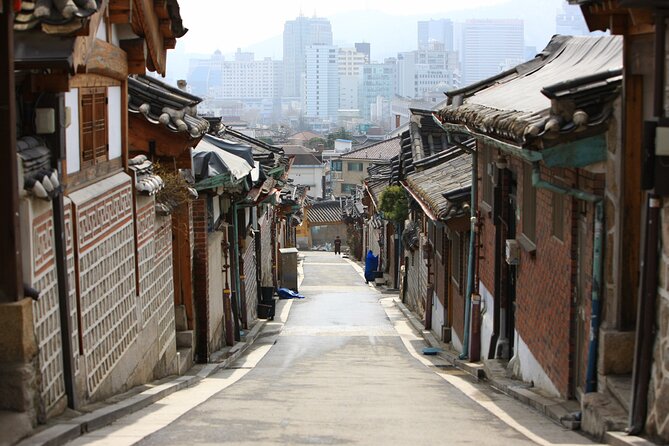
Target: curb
point(556, 410)
point(69, 430)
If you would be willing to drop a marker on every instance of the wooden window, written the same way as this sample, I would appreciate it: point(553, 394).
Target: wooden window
point(558, 216)
point(93, 126)
point(529, 204)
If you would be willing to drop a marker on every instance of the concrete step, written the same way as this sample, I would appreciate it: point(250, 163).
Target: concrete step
point(180, 318)
point(602, 413)
point(620, 386)
point(184, 360)
point(185, 339)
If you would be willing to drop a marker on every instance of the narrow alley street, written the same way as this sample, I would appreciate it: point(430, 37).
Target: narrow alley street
point(341, 366)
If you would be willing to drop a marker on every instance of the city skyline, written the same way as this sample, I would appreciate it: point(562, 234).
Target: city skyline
point(388, 34)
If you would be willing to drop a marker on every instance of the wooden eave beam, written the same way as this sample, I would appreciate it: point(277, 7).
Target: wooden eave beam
point(108, 60)
point(136, 50)
point(148, 26)
point(160, 7)
point(120, 11)
point(83, 45)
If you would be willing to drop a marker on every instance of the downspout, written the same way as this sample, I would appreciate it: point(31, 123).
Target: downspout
point(235, 244)
point(470, 265)
point(591, 373)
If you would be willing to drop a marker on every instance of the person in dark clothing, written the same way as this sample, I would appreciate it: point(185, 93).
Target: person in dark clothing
point(337, 245)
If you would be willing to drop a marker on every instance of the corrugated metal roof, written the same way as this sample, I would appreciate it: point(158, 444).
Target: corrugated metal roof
point(383, 150)
point(513, 106)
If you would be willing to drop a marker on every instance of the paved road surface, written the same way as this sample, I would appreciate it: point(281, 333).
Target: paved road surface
point(344, 369)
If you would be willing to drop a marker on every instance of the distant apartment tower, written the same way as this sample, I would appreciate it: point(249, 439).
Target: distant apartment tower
point(431, 31)
point(364, 48)
point(321, 83)
point(570, 22)
point(489, 46)
point(377, 80)
point(350, 62)
point(256, 84)
point(298, 34)
point(425, 71)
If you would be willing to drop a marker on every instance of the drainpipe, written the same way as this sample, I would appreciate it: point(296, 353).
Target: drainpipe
point(238, 286)
point(591, 373)
point(472, 254)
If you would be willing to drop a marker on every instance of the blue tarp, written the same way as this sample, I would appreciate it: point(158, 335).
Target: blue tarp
point(371, 265)
point(285, 293)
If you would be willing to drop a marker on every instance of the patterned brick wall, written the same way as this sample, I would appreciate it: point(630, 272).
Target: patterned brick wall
point(106, 264)
point(154, 254)
point(266, 240)
point(46, 314)
point(250, 282)
point(416, 279)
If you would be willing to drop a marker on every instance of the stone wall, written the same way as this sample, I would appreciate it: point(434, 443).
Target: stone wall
point(658, 405)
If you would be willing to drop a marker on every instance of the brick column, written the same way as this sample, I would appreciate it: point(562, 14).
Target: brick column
point(201, 279)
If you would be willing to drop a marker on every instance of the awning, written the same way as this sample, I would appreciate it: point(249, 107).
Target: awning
point(210, 161)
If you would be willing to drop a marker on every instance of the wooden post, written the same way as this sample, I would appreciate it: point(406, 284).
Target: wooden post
point(11, 274)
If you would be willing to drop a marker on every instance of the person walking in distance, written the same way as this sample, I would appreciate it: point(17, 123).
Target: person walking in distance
point(337, 245)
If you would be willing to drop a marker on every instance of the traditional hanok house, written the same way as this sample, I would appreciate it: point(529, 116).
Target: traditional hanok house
point(375, 227)
point(219, 175)
point(542, 132)
point(436, 242)
point(636, 300)
point(163, 126)
point(353, 212)
point(290, 214)
point(100, 324)
point(437, 178)
point(257, 220)
point(323, 222)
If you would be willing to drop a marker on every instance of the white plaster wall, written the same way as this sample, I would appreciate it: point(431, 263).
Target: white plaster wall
point(437, 315)
point(114, 114)
point(487, 317)
point(311, 176)
point(527, 368)
point(455, 341)
point(215, 290)
point(72, 131)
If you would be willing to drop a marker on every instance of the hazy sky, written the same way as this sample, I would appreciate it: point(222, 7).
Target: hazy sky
point(227, 25)
point(389, 25)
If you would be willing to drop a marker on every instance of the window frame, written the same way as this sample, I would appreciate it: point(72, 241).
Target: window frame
point(95, 129)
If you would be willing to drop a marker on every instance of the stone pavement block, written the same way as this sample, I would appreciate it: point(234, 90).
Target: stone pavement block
point(53, 436)
point(622, 439)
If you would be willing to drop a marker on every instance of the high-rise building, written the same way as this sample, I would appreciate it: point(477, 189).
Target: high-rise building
point(489, 46)
point(254, 84)
point(297, 35)
point(425, 71)
point(350, 62)
point(364, 48)
point(321, 83)
point(570, 22)
point(377, 80)
point(439, 31)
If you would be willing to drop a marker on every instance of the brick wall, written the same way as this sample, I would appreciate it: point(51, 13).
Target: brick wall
point(200, 277)
point(546, 278)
